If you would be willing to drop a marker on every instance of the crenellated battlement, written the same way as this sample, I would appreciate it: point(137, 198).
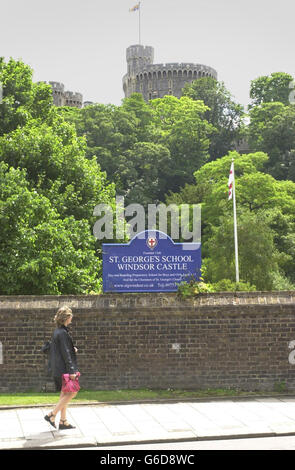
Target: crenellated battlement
point(57, 86)
point(64, 98)
point(71, 95)
point(177, 69)
point(137, 51)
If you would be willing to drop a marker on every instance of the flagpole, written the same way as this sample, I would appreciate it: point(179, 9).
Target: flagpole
point(235, 227)
point(139, 24)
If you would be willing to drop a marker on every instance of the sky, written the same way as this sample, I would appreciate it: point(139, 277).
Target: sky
point(83, 43)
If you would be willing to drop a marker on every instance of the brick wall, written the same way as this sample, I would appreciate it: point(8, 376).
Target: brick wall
point(223, 340)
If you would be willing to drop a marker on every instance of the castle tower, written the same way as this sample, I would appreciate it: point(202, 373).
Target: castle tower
point(138, 57)
point(157, 80)
point(58, 90)
point(65, 98)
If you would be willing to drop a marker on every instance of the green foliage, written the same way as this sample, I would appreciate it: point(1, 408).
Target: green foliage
point(40, 252)
point(281, 282)
point(48, 190)
point(192, 289)
point(257, 254)
point(272, 130)
point(57, 164)
point(22, 99)
point(222, 112)
point(265, 213)
point(147, 149)
point(142, 171)
point(272, 88)
point(280, 387)
point(180, 125)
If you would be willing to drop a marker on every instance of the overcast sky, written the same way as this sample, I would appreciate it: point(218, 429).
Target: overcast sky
point(83, 43)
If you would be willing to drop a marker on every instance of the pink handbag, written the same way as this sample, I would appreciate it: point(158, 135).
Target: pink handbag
point(69, 385)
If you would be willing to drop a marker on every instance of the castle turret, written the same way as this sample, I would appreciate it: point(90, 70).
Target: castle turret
point(65, 98)
point(58, 90)
point(138, 57)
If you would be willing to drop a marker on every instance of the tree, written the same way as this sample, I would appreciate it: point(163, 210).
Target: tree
point(179, 124)
point(223, 113)
point(48, 191)
point(115, 133)
point(272, 88)
point(272, 130)
point(41, 253)
point(22, 99)
point(56, 166)
point(264, 205)
point(142, 170)
point(110, 130)
point(257, 254)
point(142, 111)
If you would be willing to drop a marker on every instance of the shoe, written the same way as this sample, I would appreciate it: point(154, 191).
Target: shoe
point(65, 426)
point(48, 418)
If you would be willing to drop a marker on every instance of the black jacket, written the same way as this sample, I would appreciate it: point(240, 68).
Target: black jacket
point(62, 353)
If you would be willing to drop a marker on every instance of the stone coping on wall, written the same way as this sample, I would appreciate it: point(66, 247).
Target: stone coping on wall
point(110, 301)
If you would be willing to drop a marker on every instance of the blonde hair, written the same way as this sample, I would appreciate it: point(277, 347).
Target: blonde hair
point(62, 315)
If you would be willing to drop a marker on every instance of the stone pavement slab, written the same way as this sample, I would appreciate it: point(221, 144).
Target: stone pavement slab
point(113, 424)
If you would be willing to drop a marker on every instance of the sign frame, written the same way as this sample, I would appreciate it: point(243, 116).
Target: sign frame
point(147, 247)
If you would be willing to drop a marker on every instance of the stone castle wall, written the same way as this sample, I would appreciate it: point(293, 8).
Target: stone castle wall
point(222, 340)
point(61, 97)
point(158, 80)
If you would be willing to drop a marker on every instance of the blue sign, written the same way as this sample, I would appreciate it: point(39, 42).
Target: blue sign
point(150, 262)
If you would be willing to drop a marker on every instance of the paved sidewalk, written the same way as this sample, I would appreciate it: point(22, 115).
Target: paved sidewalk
point(107, 424)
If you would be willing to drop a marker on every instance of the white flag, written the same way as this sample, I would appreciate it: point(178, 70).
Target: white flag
point(230, 181)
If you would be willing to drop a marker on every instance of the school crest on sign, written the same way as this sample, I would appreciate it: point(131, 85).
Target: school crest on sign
point(151, 242)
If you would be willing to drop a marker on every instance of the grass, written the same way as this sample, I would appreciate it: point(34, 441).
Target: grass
point(90, 396)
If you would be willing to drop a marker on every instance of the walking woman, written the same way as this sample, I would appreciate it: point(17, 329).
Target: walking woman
point(62, 361)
